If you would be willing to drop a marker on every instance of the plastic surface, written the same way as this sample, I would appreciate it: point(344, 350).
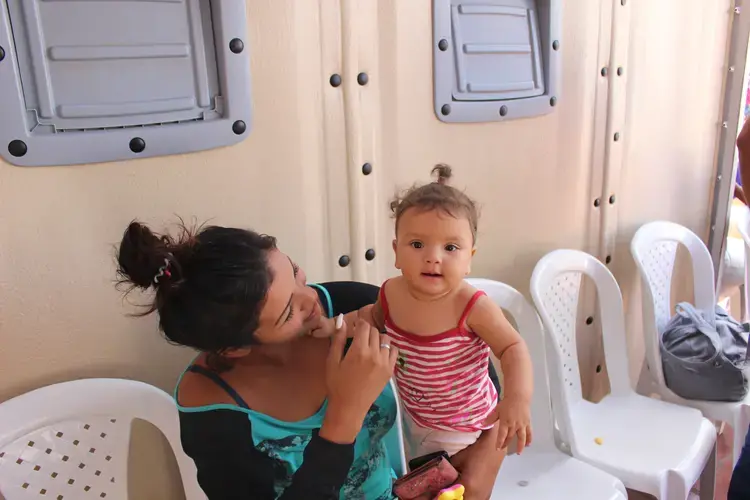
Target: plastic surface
point(495, 59)
point(394, 443)
point(70, 440)
point(654, 248)
point(100, 81)
point(653, 446)
point(542, 471)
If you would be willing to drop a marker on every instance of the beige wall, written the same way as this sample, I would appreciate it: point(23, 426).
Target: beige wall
point(298, 174)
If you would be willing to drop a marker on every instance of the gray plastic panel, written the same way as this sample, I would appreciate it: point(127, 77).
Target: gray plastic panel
point(104, 80)
point(496, 59)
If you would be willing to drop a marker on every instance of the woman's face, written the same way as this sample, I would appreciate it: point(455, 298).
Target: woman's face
point(292, 308)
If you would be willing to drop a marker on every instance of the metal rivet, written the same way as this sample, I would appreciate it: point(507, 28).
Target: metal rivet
point(608, 259)
point(236, 45)
point(17, 148)
point(503, 110)
point(604, 71)
point(598, 368)
point(731, 69)
point(623, 2)
point(137, 145)
point(612, 200)
point(335, 80)
point(367, 169)
point(597, 202)
point(553, 101)
point(718, 177)
point(555, 45)
point(736, 10)
point(370, 254)
point(617, 136)
point(239, 127)
point(2, 53)
point(523, 484)
point(344, 260)
point(443, 44)
point(362, 79)
point(724, 125)
point(589, 320)
point(446, 109)
point(620, 71)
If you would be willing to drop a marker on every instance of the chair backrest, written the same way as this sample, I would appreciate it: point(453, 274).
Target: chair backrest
point(530, 328)
point(71, 440)
point(394, 439)
point(743, 226)
point(654, 248)
point(555, 286)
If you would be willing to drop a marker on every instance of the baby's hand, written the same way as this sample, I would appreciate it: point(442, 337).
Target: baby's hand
point(514, 416)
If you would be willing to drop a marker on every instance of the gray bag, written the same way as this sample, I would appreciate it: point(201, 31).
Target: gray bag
point(704, 356)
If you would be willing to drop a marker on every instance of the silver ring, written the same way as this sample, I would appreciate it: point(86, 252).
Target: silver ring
point(387, 346)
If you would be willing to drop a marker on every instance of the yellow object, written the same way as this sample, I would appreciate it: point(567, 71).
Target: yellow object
point(598, 440)
point(455, 492)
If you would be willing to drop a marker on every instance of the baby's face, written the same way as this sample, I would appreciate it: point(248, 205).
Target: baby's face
point(433, 250)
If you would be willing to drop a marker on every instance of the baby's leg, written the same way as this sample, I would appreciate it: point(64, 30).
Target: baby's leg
point(449, 441)
point(454, 441)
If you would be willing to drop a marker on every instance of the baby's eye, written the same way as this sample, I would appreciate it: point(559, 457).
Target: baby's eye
point(451, 248)
point(416, 244)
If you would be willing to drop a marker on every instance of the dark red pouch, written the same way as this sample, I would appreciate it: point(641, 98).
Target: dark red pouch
point(426, 481)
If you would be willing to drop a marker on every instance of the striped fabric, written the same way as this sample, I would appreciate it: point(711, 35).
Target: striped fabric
point(443, 380)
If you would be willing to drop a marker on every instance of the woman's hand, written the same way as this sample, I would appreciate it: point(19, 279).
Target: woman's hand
point(354, 381)
point(479, 464)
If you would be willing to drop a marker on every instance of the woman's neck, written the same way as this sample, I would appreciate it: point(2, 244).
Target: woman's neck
point(277, 355)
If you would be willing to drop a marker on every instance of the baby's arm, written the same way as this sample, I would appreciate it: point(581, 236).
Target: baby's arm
point(488, 321)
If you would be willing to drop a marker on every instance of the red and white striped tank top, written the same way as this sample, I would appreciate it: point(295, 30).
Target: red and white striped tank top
point(443, 380)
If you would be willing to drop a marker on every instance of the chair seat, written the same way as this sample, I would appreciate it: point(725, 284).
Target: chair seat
point(717, 410)
point(634, 436)
point(553, 475)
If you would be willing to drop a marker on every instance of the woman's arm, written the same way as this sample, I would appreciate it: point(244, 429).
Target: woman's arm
point(229, 466)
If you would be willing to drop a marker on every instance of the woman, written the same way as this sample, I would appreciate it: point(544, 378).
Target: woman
point(739, 486)
point(266, 409)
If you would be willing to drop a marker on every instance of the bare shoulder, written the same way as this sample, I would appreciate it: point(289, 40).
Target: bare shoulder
point(394, 289)
point(484, 309)
point(198, 390)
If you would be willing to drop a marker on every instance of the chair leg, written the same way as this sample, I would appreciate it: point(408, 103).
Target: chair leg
point(708, 476)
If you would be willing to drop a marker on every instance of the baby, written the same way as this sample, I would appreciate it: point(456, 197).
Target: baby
point(444, 329)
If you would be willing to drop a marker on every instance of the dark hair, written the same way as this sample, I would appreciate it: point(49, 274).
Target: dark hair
point(210, 283)
point(438, 195)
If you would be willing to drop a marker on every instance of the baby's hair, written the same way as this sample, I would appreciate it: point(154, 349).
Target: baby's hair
point(438, 195)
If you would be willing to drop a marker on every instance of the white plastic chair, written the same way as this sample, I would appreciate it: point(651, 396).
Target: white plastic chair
point(652, 446)
point(542, 472)
point(70, 441)
point(394, 440)
point(654, 247)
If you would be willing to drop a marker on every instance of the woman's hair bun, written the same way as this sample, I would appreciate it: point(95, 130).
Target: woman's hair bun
point(443, 173)
point(142, 254)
